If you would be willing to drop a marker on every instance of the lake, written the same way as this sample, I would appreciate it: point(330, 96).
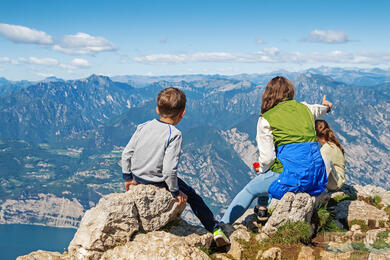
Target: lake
point(18, 239)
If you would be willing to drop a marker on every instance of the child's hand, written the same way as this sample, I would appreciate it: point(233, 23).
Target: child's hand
point(128, 183)
point(326, 103)
point(181, 198)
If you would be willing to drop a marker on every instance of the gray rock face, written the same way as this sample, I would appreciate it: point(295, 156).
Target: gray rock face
point(118, 216)
point(155, 245)
point(349, 210)
point(292, 207)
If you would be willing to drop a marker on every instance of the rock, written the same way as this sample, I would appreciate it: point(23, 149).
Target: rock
point(259, 255)
point(249, 220)
point(274, 253)
point(118, 216)
point(44, 255)
point(372, 235)
point(261, 237)
point(349, 210)
point(337, 194)
point(193, 235)
point(326, 255)
point(306, 253)
point(155, 245)
point(358, 236)
point(355, 227)
point(292, 207)
point(222, 257)
point(378, 256)
point(235, 247)
point(339, 247)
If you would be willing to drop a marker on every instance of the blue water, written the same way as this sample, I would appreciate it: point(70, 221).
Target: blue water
point(17, 240)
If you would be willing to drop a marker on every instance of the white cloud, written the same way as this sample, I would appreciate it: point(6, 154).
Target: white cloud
point(76, 63)
point(80, 63)
point(40, 61)
point(82, 43)
point(328, 36)
point(22, 34)
point(45, 75)
point(270, 55)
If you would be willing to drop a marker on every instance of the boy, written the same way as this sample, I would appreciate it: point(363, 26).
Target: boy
point(152, 156)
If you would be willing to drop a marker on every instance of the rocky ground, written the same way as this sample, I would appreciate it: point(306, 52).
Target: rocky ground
point(145, 223)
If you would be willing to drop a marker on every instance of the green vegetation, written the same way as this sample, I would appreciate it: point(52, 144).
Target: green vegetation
point(376, 201)
point(291, 233)
point(387, 210)
point(363, 225)
point(334, 201)
point(326, 221)
point(380, 242)
point(359, 249)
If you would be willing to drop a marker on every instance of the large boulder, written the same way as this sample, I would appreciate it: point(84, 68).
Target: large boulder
point(349, 210)
point(118, 216)
point(157, 245)
point(291, 208)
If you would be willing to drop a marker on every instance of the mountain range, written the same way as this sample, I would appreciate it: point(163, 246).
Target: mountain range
point(64, 139)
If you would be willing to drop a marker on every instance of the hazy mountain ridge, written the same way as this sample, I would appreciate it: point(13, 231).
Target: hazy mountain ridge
point(219, 135)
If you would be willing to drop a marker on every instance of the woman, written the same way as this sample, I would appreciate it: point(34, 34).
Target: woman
point(289, 155)
point(333, 155)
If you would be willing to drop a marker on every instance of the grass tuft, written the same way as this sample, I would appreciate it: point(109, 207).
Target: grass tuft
point(363, 225)
point(380, 242)
point(292, 233)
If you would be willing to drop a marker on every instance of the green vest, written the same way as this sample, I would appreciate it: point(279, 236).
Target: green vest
point(291, 122)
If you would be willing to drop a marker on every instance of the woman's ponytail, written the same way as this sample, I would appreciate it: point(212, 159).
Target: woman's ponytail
point(323, 131)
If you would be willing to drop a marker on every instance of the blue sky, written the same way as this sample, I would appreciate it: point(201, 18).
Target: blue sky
point(73, 38)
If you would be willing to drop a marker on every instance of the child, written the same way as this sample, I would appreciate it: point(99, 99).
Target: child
point(152, 156)
point(333, 154)
point(289, 155)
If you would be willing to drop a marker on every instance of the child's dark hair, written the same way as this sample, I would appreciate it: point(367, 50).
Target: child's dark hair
point(323, 131)
point(170, 102)
point(277, 90)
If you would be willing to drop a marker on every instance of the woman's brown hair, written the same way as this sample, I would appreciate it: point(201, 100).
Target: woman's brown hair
point(323, 131)
point(277, 90)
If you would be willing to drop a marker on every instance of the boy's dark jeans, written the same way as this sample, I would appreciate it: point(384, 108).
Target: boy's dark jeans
point(196, 202)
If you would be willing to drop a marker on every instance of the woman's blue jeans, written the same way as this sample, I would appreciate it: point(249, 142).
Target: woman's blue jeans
point(257, 187)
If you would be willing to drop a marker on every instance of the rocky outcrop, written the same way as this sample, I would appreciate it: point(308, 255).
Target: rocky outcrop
point(143, 224)
point(118, 216)
point(134, 225)
point(292, 207)
point(350, 210)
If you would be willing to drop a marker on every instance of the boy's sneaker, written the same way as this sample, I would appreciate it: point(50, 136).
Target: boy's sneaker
point(220, 238)
point(262, 214)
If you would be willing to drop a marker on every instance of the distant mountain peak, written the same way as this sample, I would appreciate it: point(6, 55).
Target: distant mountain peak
point(52, 79)
point(101, 79)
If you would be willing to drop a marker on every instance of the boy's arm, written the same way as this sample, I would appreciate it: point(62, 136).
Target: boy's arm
point(170, 162)
point(126, 157)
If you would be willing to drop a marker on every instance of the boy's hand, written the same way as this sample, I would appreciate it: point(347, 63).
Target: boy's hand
point(181, 198)
point(128, 183)
point(326, 103)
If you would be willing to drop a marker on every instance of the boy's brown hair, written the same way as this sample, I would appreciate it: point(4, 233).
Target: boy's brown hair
point(170, 102)
point(277, 90)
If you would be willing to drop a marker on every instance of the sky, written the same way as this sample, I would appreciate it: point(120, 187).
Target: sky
point(72, 39)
